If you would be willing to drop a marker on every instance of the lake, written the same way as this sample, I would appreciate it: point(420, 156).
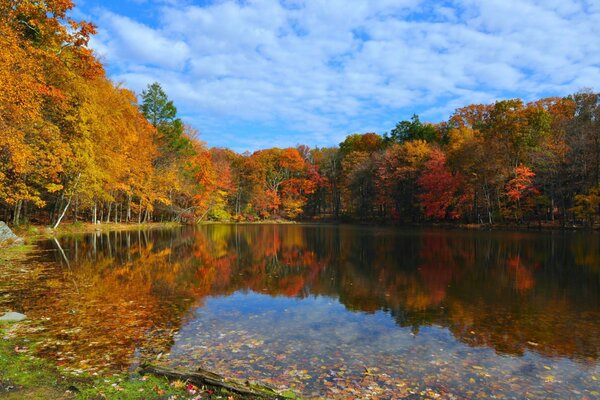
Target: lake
point(330, 311)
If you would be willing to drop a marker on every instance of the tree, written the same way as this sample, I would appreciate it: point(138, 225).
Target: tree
point(42, 50)
point(162, 114)
point(442, 196)
point(584, 138)
point(357, 172)
point(397, 171)
point(280, 183)
point(412, 130)
point(366, 142)
point(359, 192)
point(552, 159)
point(156, 106)
point(521, 191)
point(588, 205)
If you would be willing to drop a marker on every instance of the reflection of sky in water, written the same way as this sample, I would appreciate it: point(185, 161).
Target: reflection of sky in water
point(320, 348)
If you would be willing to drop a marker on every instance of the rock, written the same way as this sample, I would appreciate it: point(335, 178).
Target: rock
point(13, 317)
point(6, 235)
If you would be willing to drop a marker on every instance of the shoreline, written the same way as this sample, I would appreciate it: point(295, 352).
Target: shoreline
point(25, 374)
point(34, 232)
point(531, 227)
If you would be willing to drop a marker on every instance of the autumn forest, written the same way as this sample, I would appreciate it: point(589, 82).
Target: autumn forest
point(75, 146)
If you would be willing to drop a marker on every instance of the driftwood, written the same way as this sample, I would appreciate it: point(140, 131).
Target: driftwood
point(203, 377)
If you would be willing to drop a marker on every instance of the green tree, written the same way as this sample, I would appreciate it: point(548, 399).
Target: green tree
point(156, 106)
point(162, 114)
point(412, 130)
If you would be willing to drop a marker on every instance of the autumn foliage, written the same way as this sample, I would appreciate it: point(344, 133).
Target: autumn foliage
point(521, 190)
point(76, 146)
point(441, 197)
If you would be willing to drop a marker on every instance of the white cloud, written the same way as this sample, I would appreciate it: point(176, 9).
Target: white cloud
point(122, 40)
point(317, 70)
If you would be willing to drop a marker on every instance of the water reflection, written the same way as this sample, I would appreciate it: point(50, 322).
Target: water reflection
point(316, 306)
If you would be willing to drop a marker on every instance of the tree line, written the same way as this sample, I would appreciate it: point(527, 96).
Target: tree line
point(76, 146)
point(509, 161)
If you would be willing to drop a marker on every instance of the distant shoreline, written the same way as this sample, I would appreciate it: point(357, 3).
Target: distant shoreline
point(33, 232)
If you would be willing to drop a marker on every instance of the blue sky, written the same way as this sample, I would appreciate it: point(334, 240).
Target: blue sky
point(260, 73)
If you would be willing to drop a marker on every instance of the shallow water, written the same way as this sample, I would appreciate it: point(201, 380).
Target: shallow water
point(330, 311)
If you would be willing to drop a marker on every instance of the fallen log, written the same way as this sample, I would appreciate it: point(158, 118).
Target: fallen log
point(203, 377)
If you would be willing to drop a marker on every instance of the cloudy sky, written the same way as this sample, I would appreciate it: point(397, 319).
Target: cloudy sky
point(262, 73)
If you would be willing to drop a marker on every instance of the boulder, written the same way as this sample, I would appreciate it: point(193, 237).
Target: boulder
point(6, 235)
point(13, 317)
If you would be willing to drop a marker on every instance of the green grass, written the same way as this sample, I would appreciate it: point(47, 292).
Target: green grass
point(131, 387)
point(23, 375)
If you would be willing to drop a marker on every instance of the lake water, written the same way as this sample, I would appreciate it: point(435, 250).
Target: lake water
point(329, 311)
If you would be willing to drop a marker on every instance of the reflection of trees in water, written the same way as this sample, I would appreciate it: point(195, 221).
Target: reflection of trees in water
point(508, 291)
point(121, 290)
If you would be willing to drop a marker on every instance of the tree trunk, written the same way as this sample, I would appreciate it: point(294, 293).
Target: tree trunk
point(56, 208)
point(237, 202)
point(202, 377)
point(172, 209)
point(128, 208)
point(17, 213)
point(63, 213)
point(76, 211)
point(108, 212)
point(25, 211)
point(488, 202)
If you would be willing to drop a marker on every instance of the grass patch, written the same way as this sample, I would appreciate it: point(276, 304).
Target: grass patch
point(23, 375)
point(14, 253)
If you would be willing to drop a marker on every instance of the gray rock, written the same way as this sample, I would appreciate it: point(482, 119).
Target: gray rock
point(13, 317)
point(7, 235)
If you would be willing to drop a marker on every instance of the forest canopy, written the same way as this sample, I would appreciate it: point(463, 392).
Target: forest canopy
point(76, 146)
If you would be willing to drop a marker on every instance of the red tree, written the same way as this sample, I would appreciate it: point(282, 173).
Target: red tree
point(442, 196)
point(521, 191)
